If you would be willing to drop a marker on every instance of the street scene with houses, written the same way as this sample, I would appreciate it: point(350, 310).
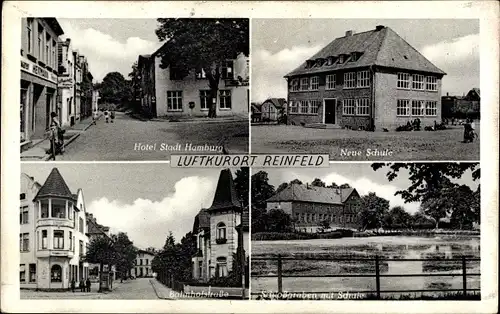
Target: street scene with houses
point(73, 246)
point(361, 231)
point(372, 94)
point(144, 90)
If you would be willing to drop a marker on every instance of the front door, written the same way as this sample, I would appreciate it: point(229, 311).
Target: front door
point(330, 111)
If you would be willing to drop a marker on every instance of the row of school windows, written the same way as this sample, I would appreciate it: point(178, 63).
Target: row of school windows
point(57, 241)
point(350, 107)
point(417, 82)
point(303, 217)
point(418, 108)
point(360, 79)
point(44, 48)
point(175, 100)
point(58, 210)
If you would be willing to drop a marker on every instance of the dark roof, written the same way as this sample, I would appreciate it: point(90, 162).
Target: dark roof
point(277, 102)
point(94, 228)
point(201, 221)
point(379, 47)
point(54, 186)
point(314, 194)
point(54, 24)
point(255, 108)
point(225, 194)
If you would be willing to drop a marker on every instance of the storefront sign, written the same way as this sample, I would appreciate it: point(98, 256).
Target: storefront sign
point(65, 82)
point(35, 69)
point(57, 253)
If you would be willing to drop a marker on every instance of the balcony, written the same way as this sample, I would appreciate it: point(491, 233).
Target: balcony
point(55, 222)
point(55, 253)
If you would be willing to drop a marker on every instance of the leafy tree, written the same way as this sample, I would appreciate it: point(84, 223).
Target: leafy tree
point(397, 217)
point(241, 184)
point(427, 179)
point(101, 251)
point(279, 221)
point(373, 210)
point(113, 88)
point(318, 182)
point(203, 43)
point(284, 185)
point(126, 253)
point(133, 75)
point(261, 189)
point(345, 186)
point(333, 185)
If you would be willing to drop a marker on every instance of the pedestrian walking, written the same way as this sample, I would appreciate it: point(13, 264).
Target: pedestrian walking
point(112, 115)
point(73, 285)
point(95, 115)
point(88, 284)
point(106, 116)
point(81, 285)
point(57, 133)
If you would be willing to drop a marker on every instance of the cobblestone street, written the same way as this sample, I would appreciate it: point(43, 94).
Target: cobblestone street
point(138, 289)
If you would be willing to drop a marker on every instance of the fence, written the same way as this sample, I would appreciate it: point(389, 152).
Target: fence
point(377, 275)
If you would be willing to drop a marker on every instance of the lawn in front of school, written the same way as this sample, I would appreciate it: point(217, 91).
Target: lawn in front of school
point(412, 145)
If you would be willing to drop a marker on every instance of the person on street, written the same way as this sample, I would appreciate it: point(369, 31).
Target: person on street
point(81, 285)
point(112, 115)
point(106, 116)
point(57, 133)
point(73, 285)
point(95, 115)
point(88, 284)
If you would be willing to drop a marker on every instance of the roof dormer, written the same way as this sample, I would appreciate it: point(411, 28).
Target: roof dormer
point(309, 63)
point(330, 60)
point(341, 59)
point(319, 62)
point(355, 56)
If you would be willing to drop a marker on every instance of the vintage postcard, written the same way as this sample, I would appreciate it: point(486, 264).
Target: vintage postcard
point(243, 157)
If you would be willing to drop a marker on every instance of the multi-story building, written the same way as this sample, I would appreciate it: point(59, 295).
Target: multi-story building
point(272, 109)
point(142, 266)
point(66, 83)
point(39, 69)
point(95, 100)
point(461, 107)
point(369, 80)
point(309, 206)
point(175, 92)
point(219, 230)
point(78, 85)
point(53, 236)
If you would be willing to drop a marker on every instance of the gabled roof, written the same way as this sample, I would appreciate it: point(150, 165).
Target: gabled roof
point(277, 102)
point(201, 221)
point(477, 91)
point(225, 196)
point(313, 194)
point(255, 108)
point(55, 186)
point(379, 47)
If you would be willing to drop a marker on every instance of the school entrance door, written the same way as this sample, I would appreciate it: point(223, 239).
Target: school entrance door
point(330, 108)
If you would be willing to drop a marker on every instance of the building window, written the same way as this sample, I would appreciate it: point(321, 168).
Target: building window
point(140, 261)
point(54, 58)
point(417, 107)
point(22, 273)
point(58, 239)
point(341, 59)
point(174, 100)
point(176, 74)
point(350, 80)
point(80, 225)
point(24, 242)
point(44, 208)
point(227, 70)
point(314, 83)
point(30, 34)
point(39, 43)
point(200, 241)
point(24, 215)
point(418, 82)
point(404, 80)
point(221, 270)
point(431, 108)
point(363, 79)
point(330, 81)
point(221, 231)
point(147, 261)
point(348, 107)
point(304, 106)
point(58, 209)
point(55, 273)
point(80, 247)
point(363, 106)
point(304, 84)
point(295, 85)
point(314, 106)
point(225, 99)
point(71, 241)
point(48, 54)
point(403, 107)
point(200, 74)
point(44, 239)
point(205, 99)
point(32, 272)
point(431, 83)
point(293, 107)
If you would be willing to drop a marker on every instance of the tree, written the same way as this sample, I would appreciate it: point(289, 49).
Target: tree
point(345, 186)
point(373, 210)
point(101, 251)
point(133, 75)
point(279, 221)
point(284, 185)
point(261, 191)
point(333, 185)
point(318, 182)
point(397, 217)
point(203, 44)
point(241, 184)
point(427, 178)
point(113, 88)
point(126, 253)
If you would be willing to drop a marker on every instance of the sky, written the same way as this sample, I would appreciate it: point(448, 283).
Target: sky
point(359, 176)
point(111, 44)
point(281, 45)
point(144, 200)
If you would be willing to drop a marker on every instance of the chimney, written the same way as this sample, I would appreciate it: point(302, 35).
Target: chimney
point(348, 33)
point(379, 28)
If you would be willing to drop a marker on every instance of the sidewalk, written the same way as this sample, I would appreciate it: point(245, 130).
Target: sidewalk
point(40, 148)
point(162, 292)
